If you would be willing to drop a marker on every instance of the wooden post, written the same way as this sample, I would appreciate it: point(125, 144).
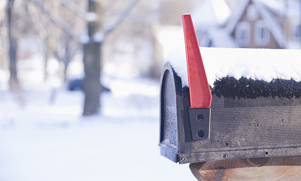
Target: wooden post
point(253, 169)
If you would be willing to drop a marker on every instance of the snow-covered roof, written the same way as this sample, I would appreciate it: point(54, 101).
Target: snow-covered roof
point(283, 7)
point(267, 16)
point(236, 15)
point(258, 64)
point(272, 23)
point(210, 13)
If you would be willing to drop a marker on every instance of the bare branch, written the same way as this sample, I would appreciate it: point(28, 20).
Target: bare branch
point(74, 8)
point(59, 57)
point(25, 10)
point(109, 5)
point(2, 10)
point(56, 20)
point(121, 17)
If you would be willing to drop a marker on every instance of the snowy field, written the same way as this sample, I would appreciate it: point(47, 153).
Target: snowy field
point(45, 141)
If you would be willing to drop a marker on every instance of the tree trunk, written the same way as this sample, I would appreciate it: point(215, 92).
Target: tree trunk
point(66, 66)
point(46, 56)
point(13, 78)
point(92, 87)
point(92, 54)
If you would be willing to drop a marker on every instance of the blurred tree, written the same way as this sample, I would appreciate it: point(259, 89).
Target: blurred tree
point(92, 86)
point(65, 43)
point(13, 77)
point(38, 23)
point(96, 34)
point(62, 41)
point(171, 10)
point(68, 44)
point(2, 37)
point(2, 10)
point(136, 40)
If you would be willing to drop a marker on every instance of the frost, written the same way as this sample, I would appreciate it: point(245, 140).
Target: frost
point(167, 142)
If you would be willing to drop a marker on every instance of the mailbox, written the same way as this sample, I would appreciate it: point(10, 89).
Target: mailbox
point(229, 117)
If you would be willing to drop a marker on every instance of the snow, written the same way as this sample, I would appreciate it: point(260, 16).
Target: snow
point(169, 37)
point(98, 37)
point(91, 16)
point(220, 38)
point(284, 8)
point(4, 76)
point(43, 141)
point(84, 37)
point(211, 13)
point(177, 59)
point(259, 64)
point(2, 4)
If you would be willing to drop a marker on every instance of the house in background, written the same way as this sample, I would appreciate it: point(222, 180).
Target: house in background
point(288, 13)
point(252, 24)
point(209, 14)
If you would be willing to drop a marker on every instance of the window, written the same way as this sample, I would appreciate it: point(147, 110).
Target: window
point(242, 33)
point(262, 33)
point(252, 13)
point(295, 33)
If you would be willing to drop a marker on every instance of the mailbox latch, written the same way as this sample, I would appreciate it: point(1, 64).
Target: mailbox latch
point(200, 123)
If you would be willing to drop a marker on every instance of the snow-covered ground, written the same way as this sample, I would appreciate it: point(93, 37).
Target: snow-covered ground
point(42, 141)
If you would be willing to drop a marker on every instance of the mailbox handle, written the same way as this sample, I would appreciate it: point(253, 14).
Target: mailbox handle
point(199, 90)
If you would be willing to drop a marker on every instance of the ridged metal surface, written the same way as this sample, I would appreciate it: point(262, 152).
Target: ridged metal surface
point(242, 128)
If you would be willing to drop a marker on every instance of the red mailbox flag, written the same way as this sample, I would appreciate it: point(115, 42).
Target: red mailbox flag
point(199, 90)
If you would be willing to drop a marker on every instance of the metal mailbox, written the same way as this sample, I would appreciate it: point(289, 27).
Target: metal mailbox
point(202, 123)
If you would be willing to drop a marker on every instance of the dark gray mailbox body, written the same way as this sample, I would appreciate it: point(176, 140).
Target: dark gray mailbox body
point(237, 128)
point(246, 117)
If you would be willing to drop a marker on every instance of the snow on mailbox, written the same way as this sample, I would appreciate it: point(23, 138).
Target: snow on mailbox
point(229, 103)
